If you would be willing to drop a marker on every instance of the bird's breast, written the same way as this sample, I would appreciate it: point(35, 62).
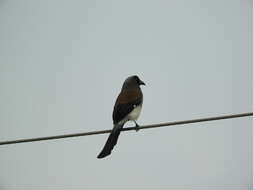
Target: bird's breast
point(135, 113)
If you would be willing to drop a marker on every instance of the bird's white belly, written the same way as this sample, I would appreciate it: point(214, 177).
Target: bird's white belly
point(133, 115)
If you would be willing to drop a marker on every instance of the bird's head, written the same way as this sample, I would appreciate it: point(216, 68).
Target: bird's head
point(132, 82)
point(137, 80)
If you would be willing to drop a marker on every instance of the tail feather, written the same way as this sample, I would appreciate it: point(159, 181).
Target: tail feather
point(111, 142)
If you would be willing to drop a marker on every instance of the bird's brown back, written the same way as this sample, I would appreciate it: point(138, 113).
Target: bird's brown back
point(126, 102)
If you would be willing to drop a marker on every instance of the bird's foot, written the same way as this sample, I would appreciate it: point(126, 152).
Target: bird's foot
point(137, 127)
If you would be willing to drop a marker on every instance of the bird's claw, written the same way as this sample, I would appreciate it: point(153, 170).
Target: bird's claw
point(137, 127)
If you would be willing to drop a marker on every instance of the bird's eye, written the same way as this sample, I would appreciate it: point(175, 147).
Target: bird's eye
point(137, 79)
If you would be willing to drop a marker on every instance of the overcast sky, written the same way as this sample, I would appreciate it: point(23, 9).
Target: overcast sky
point(62, 64)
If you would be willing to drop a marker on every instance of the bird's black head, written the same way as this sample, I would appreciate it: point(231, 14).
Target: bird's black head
point(132, 82)
point(138, 80)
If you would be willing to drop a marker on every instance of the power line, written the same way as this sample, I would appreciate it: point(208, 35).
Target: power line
point(128, 129)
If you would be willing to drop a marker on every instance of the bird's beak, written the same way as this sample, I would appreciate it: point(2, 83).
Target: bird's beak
point(142, 83)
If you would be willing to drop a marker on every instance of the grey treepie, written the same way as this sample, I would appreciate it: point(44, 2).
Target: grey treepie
point(127, 108)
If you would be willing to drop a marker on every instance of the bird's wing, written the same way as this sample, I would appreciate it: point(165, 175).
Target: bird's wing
point(125, 103)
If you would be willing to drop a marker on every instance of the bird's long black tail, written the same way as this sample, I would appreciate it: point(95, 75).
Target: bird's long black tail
point(111, 141)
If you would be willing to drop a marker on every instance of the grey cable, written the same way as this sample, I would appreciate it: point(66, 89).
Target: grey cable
point(128, 129)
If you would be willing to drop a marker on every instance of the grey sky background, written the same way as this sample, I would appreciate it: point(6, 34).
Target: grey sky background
point(62, 64)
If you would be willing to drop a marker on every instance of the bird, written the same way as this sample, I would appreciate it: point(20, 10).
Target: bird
point(127, 107)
